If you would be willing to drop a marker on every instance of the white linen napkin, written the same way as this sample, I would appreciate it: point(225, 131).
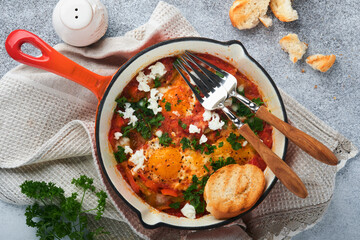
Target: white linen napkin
point(47, 133)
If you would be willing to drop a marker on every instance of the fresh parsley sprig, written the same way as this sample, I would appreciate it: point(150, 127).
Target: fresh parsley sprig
point(60, 216)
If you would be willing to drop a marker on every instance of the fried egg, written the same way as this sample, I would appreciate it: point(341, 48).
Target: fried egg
point(171, 166)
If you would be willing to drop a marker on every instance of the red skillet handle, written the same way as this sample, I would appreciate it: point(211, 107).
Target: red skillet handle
point(53, 61)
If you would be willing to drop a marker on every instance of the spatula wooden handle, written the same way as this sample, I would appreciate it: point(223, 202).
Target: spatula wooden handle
point(307, 143)
point(281, 170)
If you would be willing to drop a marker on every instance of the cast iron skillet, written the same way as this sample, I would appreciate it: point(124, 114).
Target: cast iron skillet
point(108, 88)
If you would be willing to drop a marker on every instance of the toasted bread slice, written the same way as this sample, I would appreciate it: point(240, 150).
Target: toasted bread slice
point(291, 44)
point(244, 14)
point(266, 20)
point(283, 10)
point(233, 189)
point(321, 62)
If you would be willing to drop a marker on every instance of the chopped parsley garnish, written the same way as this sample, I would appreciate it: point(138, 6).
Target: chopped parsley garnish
point(197, 89)
point(163, 100)
point(157, 82)
point(121, 102)
point(243, 111)
point(206, 168)
point(233, 140)
point(219, 74)
point(197, 146)
point(182, 125)
point(168, 106)
point(175, 205)
point(185, 143)
point(194, 193)
point(258, 101)
point(221, 163)
point(179, 101)
point(221, 144)
point(147, 120)
point(256, 124)
point(194, 144)
point(165, 140)
point(210, 149)
point(120, 155)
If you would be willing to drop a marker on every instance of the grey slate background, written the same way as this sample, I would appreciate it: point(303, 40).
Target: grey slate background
point(328, 26)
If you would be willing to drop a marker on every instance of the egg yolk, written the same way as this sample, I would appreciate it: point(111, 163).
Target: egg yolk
point(180, 99)
point(241, 156)
point(165, 162)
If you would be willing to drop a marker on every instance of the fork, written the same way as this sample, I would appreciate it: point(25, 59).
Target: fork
point(213, 98)
point(307, 143)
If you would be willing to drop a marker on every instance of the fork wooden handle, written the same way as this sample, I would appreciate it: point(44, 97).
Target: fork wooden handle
point(281, 170)
point(307, 143)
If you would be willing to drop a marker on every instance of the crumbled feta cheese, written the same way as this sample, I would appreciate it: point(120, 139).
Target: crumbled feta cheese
point(129, 114)
point(128, 150)
point(244, 143)
point(157, 70)
point(138, 159)
point(193, 129)
point(234, 107)
point(203, 139)
point(240, 88)
point(207, 115)
point(215, 122)
point(228, 102)
point(124, 141)
point(117, 135)
point(158, 133)
point(143, 82)
point(188, 211)
point(176, 113)
point(155, 96)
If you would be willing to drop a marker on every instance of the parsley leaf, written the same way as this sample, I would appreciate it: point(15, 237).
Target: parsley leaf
point(219, 74)
point(165, 140)
point(210, 149)
point(232, 139)
point(157, 82)
point(121, 102)
point(194, 193)
point(256, 124)
point(221, 163)
point(221, 144)
point(120, 155)
point(197, 146)
point(60, 216)
point(258, 101)
point(175, 205)
point(185, 143)
point(168, 106)
point(182, 125)
point(179, 101)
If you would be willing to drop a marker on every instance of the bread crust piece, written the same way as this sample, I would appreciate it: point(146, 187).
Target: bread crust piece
point(233, 189)
point(291, 44)
point(266, 21)
point(321, 62)
point(244, 14)
point(283, 10)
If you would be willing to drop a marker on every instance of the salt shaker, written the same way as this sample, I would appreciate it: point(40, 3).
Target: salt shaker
point(80, 22)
